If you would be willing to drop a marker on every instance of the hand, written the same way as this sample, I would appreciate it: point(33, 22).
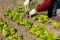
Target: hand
point(26, 4)
point(32, 12)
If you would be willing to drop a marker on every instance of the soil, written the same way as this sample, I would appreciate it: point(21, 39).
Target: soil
point(11, 4)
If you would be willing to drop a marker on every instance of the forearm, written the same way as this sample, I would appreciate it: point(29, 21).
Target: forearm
point(43, 5)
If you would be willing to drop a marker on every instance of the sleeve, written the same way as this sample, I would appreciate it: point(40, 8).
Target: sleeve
point(30, 0)
point(43, 5)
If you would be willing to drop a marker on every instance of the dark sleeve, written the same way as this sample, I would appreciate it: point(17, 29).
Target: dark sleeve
point(43, 5)
point(30, 0)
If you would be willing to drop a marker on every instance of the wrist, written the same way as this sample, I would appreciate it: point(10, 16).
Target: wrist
point(35, 10)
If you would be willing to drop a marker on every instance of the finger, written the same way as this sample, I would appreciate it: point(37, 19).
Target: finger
point(26, 7)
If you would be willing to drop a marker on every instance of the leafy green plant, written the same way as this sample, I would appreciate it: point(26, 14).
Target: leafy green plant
point(8, 31)
point(55, 25)
point(54, 36)
point(16, 37)
point(2, 24)
point(20, 9)
point(43, 33)
point(27, 24)
point(58, 37)
point(42, 18)
point(7, 11)
point(38, 30)
point(36, 16)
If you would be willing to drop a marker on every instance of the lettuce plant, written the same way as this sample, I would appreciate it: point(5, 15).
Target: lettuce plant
point(8, 31)
point(20, 9)
point(55, 25)
point(41, 18)
point(15, 37)
point(2, 24)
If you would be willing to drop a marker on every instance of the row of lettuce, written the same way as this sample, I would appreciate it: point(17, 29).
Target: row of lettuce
point(39, 31)
point(44, 19)
point(8, 31)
